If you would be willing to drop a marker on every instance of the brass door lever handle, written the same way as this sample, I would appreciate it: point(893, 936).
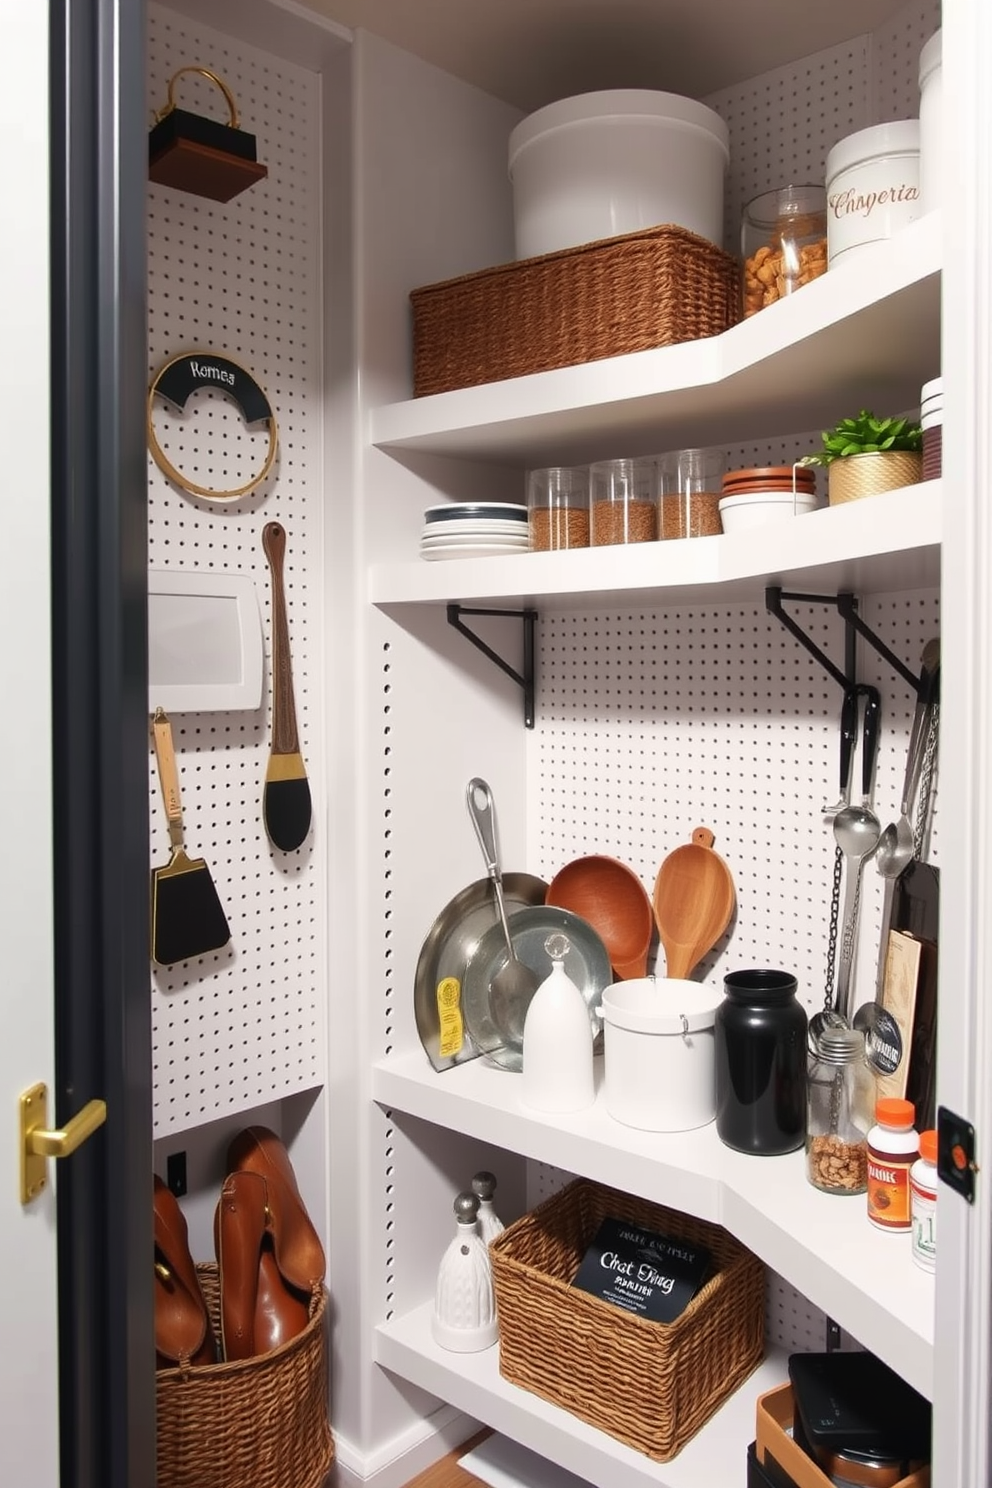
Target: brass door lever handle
point(38, 1142)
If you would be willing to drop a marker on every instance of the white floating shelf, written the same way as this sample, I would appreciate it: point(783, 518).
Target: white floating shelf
point(716, 1455)
point(865, 331)
point(821, 1244)
point(881, 544)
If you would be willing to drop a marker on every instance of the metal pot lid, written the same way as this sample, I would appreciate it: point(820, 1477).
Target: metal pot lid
point(449, 946)
point(498, 1033)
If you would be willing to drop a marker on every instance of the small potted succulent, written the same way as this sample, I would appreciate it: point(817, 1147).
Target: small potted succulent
point(866, 455)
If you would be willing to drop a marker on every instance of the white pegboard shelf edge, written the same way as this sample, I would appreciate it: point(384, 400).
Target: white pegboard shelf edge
point(867, 1281)
point(795, 362)
point(884, 543)
point(473, 1383)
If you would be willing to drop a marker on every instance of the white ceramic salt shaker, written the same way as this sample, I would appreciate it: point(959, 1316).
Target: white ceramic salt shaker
point(490, 1224)
point(464, 1302)
point(557, 1055)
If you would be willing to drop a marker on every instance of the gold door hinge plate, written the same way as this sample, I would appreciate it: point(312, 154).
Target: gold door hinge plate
point(34, 1116)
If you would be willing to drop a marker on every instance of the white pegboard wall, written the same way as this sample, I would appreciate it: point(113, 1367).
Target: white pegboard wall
point(650, 725)
point(783, 123)
point(244, 1026)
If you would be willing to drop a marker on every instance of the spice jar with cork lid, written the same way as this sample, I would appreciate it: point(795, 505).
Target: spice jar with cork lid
point(893, 1147)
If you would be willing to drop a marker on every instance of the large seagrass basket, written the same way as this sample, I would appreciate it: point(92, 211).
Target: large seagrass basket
point(258, 1423)
point(656, 287)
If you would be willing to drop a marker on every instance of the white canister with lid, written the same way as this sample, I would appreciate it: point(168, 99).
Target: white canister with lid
point(931, 125)
point(618, 161)
point(873, 187)
point(658, 1053)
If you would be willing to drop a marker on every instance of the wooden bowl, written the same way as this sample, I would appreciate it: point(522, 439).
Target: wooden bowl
point(610, 897)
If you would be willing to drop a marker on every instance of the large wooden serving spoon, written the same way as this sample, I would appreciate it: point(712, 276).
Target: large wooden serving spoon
point(693, 903)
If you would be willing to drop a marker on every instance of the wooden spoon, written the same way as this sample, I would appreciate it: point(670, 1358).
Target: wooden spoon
point(693, 903)
point(610, 897)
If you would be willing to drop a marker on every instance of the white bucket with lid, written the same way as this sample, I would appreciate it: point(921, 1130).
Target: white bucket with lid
point(613, 162)
point(658, 1053)
point(873, 187)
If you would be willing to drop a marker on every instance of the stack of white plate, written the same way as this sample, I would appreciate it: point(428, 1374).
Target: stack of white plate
point(471, 529)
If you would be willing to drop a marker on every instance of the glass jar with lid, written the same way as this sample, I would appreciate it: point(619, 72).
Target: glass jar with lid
point(783, 243)
point(841, 1095)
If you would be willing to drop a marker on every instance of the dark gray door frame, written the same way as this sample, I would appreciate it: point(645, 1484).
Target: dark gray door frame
point(100, 786)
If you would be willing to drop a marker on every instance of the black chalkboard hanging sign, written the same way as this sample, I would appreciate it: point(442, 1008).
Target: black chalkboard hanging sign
point(200, 155)
point(185, 375)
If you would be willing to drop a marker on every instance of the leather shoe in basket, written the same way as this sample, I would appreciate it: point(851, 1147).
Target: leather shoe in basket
point(183, 1334)
point(270, 1259)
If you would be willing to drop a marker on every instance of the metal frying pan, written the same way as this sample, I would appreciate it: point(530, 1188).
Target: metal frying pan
point(449, 946)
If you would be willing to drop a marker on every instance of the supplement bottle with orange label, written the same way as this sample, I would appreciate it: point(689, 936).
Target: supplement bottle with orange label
point(893, 1147)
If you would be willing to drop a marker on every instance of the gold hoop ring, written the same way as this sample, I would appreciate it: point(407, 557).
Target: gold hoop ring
point(187, 373)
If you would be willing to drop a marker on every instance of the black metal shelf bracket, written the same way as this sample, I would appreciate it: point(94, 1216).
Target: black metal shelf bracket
point(774, 595)
point(847, 607)
point(526, 680)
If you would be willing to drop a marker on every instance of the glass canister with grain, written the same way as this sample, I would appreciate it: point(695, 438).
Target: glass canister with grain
point(622, 502)
point(690, 488)
point(783, 243)
point(558, 508)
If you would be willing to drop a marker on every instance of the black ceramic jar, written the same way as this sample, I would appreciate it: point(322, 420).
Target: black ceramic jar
point(760, 1049)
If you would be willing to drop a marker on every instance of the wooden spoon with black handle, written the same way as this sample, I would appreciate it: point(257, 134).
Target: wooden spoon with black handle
point(286, 807)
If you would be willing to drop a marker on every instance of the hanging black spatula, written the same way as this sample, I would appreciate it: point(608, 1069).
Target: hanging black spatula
point(187, 918)
point(286, 805)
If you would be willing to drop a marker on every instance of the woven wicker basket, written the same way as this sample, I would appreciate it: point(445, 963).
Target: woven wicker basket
point(656, 287)
point(649, 1384)
point(261, 1422)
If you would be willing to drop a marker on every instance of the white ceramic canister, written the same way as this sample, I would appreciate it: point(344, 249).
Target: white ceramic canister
point(873, 187)
point(601, 164)
point(658, 1053)
point(557, 1073)
point(931, 125)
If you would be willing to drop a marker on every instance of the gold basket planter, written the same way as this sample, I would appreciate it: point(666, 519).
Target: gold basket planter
point(854, 476)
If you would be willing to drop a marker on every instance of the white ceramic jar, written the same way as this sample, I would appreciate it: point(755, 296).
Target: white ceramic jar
point(873, 187)
point(658, 1053)
point(931, 125)
point(613, 162)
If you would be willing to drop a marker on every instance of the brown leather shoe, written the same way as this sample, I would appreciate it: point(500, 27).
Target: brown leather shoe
point(259, 1309)
point(183, 1334)
point(297, 1247)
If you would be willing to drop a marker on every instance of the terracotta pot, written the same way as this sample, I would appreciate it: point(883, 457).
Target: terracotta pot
point(854, 476)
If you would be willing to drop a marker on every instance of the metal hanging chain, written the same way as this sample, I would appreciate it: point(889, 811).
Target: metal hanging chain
point(828, 998)
point(924, 813)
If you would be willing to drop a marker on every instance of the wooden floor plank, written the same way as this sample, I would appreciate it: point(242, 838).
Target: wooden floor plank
point(445, 1473)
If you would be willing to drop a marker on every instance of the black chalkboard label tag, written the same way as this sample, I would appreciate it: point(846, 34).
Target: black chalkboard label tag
point(654, 1276)
point(185, 375)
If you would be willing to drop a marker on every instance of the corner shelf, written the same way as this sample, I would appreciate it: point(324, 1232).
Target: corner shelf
point(882, 544)
point(819, 1243)
point(867, 330)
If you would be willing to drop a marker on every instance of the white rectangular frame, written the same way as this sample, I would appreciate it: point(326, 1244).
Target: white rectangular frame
point(193, 695)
